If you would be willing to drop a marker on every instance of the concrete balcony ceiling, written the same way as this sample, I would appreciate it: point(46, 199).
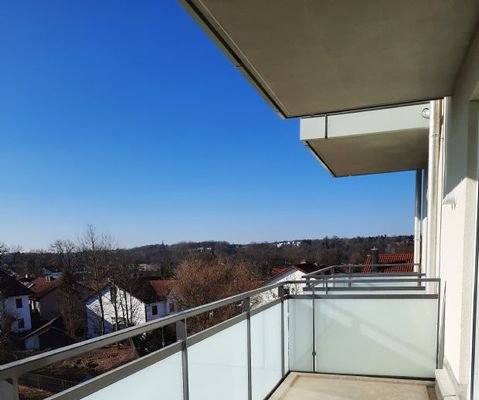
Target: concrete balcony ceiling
point(368, 142)
point(310, 57)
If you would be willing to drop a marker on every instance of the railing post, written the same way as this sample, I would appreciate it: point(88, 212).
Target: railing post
point(9, 389)
point(282, 291)
point(314, 329)
point(182, 335)
point(247, 310)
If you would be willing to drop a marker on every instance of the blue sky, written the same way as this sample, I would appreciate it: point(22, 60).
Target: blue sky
point(128, 117)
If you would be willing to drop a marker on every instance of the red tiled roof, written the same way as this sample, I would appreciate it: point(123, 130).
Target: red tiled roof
point(406, 259)
point(41, 286)
point(307, 267)
point(275, 273)
point(162, 287)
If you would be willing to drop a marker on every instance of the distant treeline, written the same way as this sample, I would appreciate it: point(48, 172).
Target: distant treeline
point(261, 257)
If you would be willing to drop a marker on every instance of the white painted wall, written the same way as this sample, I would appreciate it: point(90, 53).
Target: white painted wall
point(9, 305)
point(94, 310)
point(142, 312)
point(162, 310)
point(458, 222)
point(270, 295)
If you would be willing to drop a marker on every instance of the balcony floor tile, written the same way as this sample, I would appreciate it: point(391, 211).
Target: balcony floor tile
point(304, 386)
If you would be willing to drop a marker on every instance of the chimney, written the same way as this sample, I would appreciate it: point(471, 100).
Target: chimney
point(375, 258)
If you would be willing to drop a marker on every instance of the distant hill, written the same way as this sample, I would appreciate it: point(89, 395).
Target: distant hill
point(262, 257)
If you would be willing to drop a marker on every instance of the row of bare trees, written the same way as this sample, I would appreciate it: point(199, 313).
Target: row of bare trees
point(102, 265)
point(93, 257)
point(199, 279)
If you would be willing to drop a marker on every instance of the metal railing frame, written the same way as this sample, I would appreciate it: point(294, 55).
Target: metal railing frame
point(12, 371)
point(349, 268)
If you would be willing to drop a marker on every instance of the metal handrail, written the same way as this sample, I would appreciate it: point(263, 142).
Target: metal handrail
point(367, 274)
point(15, 369)
point(348, 278)
point(356, 266)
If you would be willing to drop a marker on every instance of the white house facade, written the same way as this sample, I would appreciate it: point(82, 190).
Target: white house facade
point(15, 304)
point(284, 274)
point(114, 308)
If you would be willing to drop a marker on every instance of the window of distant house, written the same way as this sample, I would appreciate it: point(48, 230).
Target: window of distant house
point(171, 307)
point(19, 303)
point(154, 310)
point(21, 323)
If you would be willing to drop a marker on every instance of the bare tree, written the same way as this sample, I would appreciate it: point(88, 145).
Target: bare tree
point(66, 252)
point(6, 343)
point(128, 279)
point(96, 251)
point(204, 279)
point(69, 293)
point(6, 320)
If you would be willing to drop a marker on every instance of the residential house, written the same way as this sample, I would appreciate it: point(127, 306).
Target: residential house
point(113, 307)
point(49, 335)
point(396, 262)
point(294, 272)
point(14, 303)
point(46, 299)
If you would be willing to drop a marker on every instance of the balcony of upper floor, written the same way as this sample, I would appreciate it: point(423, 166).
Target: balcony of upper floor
point(310, 58)
point(359, 75)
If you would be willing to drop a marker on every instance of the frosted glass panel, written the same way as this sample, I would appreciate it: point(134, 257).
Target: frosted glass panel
point(300, 335)
point(395, 337)
point(217, 366)
point(265, 351)
point(159, 381)
point(286, 336)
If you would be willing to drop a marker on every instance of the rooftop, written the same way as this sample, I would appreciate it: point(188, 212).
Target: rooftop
point(405, 262)
point(42, 285)
point(10, 287)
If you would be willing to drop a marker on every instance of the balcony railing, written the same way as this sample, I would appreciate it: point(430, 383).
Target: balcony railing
point(349, 327)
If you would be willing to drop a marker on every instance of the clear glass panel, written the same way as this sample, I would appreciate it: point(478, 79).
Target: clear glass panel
point(163, 380)
point(265, 351)
point(300, 335)
point(217, 365)
point(392, 337)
